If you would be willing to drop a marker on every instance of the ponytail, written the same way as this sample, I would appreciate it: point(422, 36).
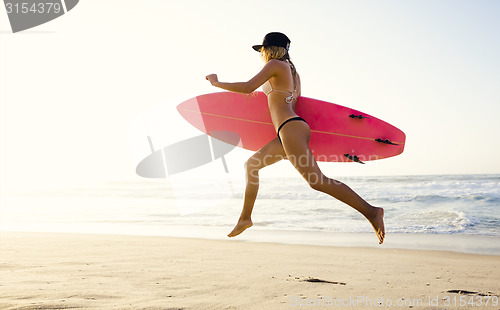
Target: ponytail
point(286, 57)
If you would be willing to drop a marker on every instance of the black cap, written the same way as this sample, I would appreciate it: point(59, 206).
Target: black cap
point(274, 39)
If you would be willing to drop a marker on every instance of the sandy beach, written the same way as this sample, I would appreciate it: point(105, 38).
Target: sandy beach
point(78, 271)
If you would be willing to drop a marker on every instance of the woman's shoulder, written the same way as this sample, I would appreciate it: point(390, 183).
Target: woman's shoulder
point(278, 64)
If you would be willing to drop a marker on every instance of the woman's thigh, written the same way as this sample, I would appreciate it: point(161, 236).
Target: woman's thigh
point(295, 137)
point(269, 154)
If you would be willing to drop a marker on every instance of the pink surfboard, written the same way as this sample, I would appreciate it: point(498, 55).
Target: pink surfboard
point(338, 133)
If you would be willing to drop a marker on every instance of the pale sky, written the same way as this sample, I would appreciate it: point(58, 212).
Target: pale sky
point(72, 90)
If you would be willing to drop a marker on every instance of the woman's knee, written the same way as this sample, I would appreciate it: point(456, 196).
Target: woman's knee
point(316, 181)
point(252, 165)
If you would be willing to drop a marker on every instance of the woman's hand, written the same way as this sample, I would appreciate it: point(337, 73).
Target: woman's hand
point(212, 78)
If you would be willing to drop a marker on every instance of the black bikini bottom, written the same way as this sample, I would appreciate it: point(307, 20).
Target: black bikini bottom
point(297, 118)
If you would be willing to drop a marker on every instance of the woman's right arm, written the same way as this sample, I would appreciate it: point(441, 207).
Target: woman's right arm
point(269, 70)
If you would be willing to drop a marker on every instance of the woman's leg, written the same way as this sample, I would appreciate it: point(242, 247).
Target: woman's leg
point(295, 136)
point(267, 155)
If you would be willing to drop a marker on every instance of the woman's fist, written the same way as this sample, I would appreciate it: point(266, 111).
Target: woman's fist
point(212, 78)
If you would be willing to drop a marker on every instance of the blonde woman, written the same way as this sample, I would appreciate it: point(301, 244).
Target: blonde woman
point(281, 83)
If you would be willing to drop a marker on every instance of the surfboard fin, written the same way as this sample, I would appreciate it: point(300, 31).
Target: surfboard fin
point(354, 158)
point(358, 116)
point(386, 141)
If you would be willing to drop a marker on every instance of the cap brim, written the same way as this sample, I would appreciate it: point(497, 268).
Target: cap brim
point(257, 47)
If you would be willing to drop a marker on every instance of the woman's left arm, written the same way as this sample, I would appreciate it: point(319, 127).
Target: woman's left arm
point(269, 70)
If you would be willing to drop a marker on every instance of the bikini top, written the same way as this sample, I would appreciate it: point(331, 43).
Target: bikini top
point(267, 88)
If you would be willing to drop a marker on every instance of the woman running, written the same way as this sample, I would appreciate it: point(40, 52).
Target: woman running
point(281, 83)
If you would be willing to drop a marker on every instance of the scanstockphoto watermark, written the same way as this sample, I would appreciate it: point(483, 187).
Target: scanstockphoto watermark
point(456, 302)
point(302, 163)
point(26, 14)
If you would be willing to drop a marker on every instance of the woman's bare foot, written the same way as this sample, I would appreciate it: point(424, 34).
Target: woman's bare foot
point(378, 224)
point(240, 227)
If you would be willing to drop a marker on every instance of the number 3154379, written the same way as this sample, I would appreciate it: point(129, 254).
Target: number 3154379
point(474, 301)
point(33, 8)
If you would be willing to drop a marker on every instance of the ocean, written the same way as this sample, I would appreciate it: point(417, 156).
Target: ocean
point(450, 212)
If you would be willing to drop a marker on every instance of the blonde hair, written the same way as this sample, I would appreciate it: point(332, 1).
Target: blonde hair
point(280, 53)
point(273, 52)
